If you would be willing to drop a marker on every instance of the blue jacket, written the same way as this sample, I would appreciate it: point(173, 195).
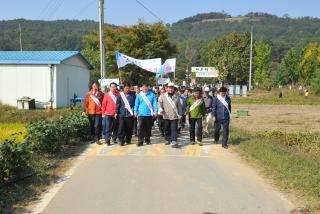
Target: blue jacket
point(219, 110)
point(121, 110)
point(141, 107)
point(184, 99)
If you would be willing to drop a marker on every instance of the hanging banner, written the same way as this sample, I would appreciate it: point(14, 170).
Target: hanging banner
point(205, 71)
point(106, 82)
point(207, 74)
point(163, 81)
point(151, 65)
point(169, 66)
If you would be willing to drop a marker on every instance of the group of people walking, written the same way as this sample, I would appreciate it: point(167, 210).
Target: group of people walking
point(115, 114)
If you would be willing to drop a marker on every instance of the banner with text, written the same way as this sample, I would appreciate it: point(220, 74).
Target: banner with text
point(151, 65)
point(205, 71)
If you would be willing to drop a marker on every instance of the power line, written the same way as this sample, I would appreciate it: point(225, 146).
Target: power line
point(83, 9)
point(45, 9)
point(56, 8)
point(152, 13)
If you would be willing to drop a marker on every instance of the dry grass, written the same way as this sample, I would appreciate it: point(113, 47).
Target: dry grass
point(287, 118)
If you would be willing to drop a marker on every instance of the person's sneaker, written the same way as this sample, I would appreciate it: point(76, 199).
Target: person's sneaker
point(139, 144)
point(101, 141)
point(174, 144)
point(216, 142)
point(129, 142)
point(121, 143)
point(167, 143)
point(193, 142)
point(108, 142)
point(199, 143)
point(225, 146)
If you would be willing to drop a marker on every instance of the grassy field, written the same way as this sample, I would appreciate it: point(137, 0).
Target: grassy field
point(285, 118)
point(296, 172)
point(290, 97)
point(10, 114)
point(281, 138)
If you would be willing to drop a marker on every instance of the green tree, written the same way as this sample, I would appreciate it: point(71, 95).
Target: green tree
point(315, 82)
point(310, 61)
point(230, 55)
point(262, 61)
point(141, 41)
point(290, 71)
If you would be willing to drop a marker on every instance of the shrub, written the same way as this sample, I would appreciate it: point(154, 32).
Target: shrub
point(15, 160)
point(51, 135)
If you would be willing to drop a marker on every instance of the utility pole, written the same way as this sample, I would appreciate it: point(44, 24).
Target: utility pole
point(102, 46)
point(20, 37)
point(250, 71)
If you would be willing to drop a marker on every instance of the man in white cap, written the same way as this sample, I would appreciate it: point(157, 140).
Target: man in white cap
point(208, 104)
point(171, 108)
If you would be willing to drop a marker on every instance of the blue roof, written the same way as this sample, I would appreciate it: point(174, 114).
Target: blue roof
point(38, 57)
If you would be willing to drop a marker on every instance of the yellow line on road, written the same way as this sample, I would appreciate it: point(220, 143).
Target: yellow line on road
point(156, 150)
point(192, 151)
point(121, 150)
point(94, 150)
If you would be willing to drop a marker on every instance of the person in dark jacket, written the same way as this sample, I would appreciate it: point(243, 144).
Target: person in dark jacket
point(221, 112)
point(125, 104)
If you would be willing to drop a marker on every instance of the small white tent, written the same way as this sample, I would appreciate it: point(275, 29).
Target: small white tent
point(50, 77)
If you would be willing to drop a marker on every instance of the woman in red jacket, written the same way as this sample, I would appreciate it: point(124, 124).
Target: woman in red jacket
point(93, 108)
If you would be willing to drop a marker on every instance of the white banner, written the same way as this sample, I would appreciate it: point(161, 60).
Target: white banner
point(151, 65)
point(169, 66)
point(163, 81)
point(206, 74)
point(106, 82)
point(203, 69)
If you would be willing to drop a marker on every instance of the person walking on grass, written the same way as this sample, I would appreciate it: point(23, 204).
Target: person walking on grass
point(171, 108)
point(93, 108)
point(145, 109)
point(221, 112)
point(109, 114)
point(125, 104)
point(196, 110)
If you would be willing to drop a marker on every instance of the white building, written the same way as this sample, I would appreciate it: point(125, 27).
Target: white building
point(50, 77)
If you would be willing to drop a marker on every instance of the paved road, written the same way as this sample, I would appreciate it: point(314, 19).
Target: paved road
point(162, 180)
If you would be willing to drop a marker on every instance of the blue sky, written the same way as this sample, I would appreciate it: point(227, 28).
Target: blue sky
point(127, 12)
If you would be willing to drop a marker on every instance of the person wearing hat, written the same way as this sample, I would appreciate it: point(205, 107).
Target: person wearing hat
point(125, 104)
point(196, 110)
point(145, 109)
point(208, 104)
point(221, 111)
point(171, 108)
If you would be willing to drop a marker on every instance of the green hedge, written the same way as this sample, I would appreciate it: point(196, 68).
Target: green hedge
point(44, 137)
point(15, 160)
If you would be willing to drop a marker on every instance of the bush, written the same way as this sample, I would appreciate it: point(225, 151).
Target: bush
point(315, 82)
point(51, 135)
point(15, 160)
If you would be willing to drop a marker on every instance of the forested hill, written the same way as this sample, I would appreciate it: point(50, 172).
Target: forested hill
point(45, 35)
point(211, 25)
point(281, 32)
